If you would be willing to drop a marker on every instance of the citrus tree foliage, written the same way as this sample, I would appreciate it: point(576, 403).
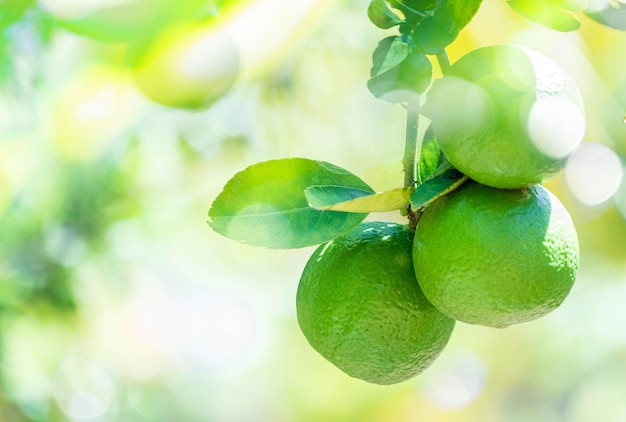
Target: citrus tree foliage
point(401, 71)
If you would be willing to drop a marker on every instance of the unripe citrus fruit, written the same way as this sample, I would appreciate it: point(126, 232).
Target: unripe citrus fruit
point(496, 257)
point(187, 66)
point(360, 306)
point(506, 116)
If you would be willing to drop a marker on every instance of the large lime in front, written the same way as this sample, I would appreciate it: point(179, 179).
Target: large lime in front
point(360, 306)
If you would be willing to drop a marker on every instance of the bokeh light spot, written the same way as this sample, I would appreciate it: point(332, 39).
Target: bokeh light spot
point(458, 382)
point(556, 126)
point(82, 389)
point(460, 106)
point(594, 173)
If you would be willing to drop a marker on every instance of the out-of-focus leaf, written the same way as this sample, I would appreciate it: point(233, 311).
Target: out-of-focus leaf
point(613, 15)
point(398, 73)
point(433, 188)
point(340, 198)
point(547, 14)
point(435, 32)
point(12, 10)
point(390, 52)
point(381, 15)
point(265, 205)
point(135, 21)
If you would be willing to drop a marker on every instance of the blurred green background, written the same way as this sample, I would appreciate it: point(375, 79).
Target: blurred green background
point(118, 303)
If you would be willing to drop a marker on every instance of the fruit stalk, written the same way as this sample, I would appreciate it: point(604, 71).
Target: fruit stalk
point(444, 62)
point(409, 161)
point(411, 155)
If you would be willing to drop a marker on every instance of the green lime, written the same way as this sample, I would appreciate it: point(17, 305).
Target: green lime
point(190, 65)
point(506, 116)
point(496, 257)
point(360, 306)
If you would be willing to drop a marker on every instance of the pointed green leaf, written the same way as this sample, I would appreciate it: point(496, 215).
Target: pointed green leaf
point(381, 15)
point(433, 188)
point(398, 74)
point(390, 52)
point(264, 205)
point(341, 198)
point(430, 155)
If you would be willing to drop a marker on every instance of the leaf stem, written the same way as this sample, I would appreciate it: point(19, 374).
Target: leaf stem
point(409, 161)
point(444, 62)
point(411, 156)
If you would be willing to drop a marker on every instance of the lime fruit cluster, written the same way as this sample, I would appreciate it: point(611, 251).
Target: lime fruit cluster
point(380, 302)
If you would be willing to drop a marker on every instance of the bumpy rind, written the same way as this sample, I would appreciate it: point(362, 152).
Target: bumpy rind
point(360, 306)
point(496, 257)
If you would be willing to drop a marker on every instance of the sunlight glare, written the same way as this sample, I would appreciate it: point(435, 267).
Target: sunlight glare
point(258, 37)
point(556, 126)
point(465, 106)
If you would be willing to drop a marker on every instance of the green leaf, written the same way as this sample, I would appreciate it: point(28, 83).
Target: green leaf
point(430, 156)
point(264, 205)
point(13, 11)
point(546, 13)
point(436, 32)
point(612, 15)
point(438, 186)
point(341, 198)
point(390, 52)
point(398, 74)
point(381, 15)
